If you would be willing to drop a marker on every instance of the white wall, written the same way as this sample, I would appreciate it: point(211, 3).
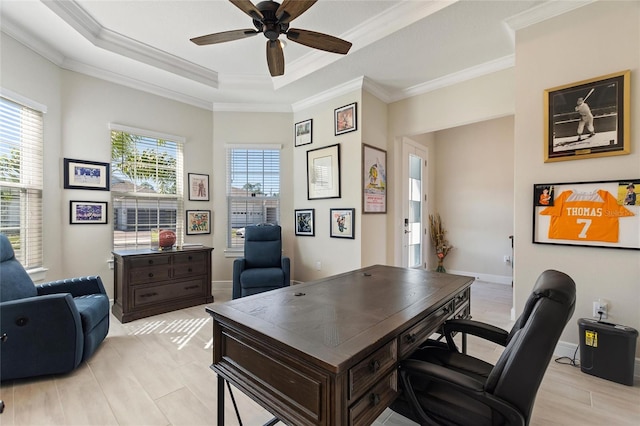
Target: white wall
point(474, 196)
point(249, 128)
point(335, 255)
point(595, 40)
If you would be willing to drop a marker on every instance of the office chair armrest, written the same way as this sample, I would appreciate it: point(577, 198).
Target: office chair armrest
point(476, 328)
point(460, 382)
point(81, 286)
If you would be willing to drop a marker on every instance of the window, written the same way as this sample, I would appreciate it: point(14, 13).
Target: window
point(146, 186)
point(253, 189)
point(21, 180)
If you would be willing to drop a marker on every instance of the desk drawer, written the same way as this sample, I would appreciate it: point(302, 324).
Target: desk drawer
point(171, 291)
point(375, 401)
point(149, 274)
point(411, 339)
point(371, 369)
point(462, 298)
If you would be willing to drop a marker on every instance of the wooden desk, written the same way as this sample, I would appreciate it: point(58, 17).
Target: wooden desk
point(326, 352)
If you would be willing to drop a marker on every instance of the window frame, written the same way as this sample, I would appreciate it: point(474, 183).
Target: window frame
point(136, 197)
point(233, 248)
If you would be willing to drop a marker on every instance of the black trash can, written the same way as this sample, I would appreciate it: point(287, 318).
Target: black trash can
point(607, 350)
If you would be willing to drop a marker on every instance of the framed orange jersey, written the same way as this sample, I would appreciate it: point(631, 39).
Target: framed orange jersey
point(589, 214)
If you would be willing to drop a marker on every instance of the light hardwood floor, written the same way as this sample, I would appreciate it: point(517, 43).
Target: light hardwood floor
point(155, 371)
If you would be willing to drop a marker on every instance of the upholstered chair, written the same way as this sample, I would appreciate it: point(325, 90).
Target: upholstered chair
point(49, 328)
point(441, 386)
point(263, 267)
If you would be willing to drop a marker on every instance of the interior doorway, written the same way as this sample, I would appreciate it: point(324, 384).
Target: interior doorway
point(414, 200)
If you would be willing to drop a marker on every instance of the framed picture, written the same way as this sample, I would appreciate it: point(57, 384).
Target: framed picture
point(342, 223)
point(323, 173)
point(304, 132)
point(198, 187)
point(81, 174)
point(305, 222)
point(87, 212)
point(595, 214)
point(588, 119)
point(346, 119)
point(198, 222)
point(374, 179)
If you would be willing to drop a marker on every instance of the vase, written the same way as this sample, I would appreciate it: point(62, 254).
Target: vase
point(440, 267)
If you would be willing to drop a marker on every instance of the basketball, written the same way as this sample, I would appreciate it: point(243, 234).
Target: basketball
point(166, 238)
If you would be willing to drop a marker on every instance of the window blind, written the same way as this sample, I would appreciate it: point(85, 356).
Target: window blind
point(146, 188)
point(253, 190)
point(21, 180)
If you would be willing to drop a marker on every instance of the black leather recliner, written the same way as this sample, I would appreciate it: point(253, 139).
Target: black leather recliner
point(441, 386)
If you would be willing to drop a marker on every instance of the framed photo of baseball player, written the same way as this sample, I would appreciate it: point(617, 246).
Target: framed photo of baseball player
point(595, 214)
point(588, 119)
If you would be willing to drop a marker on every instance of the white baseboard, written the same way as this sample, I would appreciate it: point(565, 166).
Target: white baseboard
point(566, 349)
point(498, 279)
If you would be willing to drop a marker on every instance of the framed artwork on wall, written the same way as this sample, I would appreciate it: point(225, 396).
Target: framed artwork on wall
point(374, 179)
point(596, 214)
point(198, 222)
point(305, 222)
point(323, 173)
point(588, 119)
point(346, 119)
point(342, 223)
point(88, 212)
point(198, 187)
point(304, 132)
point(82, 174)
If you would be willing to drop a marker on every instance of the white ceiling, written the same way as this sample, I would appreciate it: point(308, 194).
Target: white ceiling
point(400, 47)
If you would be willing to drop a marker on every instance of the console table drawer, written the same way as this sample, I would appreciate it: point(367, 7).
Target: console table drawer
point(371, 369)
point(142, 261)
point(411, 339)
point(169, 291)
point(375, 401)
point(149, 274)
point(186, 269)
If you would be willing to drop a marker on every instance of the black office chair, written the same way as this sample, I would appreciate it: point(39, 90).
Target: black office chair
point(441, 386)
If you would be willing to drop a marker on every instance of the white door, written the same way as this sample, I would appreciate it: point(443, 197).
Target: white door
point(414, 188)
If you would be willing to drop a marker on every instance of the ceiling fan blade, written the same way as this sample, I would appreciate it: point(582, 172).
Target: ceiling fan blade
point(319, 41)
point(275, 58)
point(223, 36)
point(249, 8)
point(291, 9)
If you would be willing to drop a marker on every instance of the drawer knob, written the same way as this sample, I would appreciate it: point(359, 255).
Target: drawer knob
point(190, 270)
point(411, 338)
point(148, 295)
point(150, 261)
point(374, 365)
point(150, 274)
point(190, 258)
point(374, 398)
point(191, 287)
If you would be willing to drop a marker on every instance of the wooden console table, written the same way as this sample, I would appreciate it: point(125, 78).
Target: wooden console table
point(326, 352)
point(151, 282)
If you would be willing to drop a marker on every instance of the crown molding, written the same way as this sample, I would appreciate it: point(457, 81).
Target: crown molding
point(544, 11)
point(369, 31)
point(74, 15)
point(43, 49)
point(133, 83)
point(240, 107)
point(342, 89)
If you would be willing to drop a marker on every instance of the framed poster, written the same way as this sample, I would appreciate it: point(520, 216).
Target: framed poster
point(303, 132)
point(323, 173)
point(588, 119)
point(88, 212)
point(346, 119)
point(305, 222)
point(198, 222)
point(596, 214)
point(342, 223)
point(374, 179)
point(198, 187)
point(81, 174)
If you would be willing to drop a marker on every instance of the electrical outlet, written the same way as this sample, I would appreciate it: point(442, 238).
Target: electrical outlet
point(507, 258)
point(318, 265)
point(600, 307)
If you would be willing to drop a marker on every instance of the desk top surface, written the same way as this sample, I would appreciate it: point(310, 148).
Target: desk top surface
point(334, 318)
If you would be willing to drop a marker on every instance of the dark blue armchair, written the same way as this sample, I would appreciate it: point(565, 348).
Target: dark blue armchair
point(49, 328)
point(263, 267)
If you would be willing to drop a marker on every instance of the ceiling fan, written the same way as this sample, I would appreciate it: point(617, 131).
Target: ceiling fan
point(272, 19)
